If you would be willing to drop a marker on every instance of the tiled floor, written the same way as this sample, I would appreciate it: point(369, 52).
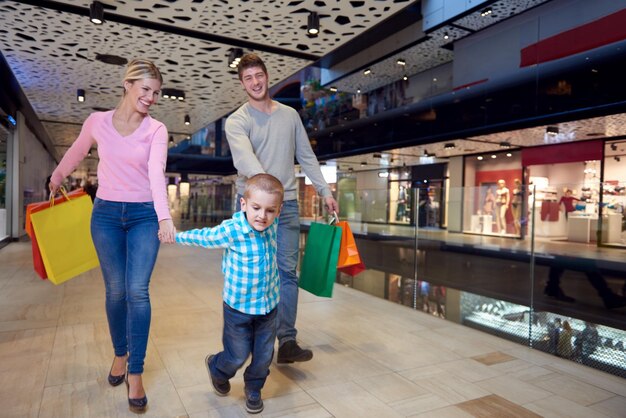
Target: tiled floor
point(372, 358)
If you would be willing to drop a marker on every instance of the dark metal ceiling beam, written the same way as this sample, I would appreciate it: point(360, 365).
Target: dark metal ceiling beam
point(146, 24)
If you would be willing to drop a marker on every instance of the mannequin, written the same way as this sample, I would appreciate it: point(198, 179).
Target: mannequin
point(516, 205)
point(401, 210)
point(568, 202)
point(490, 200)
point(502, 204)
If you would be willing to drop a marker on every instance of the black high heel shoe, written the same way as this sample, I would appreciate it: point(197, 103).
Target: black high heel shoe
point(115, 380)
point(138, 406)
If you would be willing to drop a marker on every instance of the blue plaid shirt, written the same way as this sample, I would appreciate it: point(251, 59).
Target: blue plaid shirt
point(251, 282)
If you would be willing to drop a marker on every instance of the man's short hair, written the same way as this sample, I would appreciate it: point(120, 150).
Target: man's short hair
point(265, 183)
point(249, 61)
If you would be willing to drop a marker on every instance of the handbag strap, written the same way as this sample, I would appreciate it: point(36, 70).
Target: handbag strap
point(62, 189)
point(333, 219)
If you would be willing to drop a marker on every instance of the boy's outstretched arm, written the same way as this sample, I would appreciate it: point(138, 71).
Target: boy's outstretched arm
point(216, 237)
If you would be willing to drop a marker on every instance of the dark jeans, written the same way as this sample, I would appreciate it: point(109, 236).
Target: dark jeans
point(125, 237)
point(243, 335)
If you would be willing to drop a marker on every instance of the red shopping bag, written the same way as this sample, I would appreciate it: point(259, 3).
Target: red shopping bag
point(38, 264)
point(40, 269)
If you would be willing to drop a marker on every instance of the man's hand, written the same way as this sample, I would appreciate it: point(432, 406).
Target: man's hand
point(331, 205)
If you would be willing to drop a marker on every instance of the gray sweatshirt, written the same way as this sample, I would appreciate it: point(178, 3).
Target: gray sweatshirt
point(262, 143)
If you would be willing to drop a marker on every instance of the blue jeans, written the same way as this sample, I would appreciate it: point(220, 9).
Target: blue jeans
point(287, 254)
point(125, 237)
point(246, 334)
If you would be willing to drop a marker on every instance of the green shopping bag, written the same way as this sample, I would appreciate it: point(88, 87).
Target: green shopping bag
point(319, 264)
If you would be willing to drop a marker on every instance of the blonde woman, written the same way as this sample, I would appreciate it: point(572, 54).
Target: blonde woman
point(130, 215)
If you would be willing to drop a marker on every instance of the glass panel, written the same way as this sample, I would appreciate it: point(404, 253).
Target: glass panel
point(614, 194)
point(4, 230)
point(578, 287)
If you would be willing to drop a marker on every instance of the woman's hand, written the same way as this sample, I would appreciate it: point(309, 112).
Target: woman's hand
point(54, 188)
point(167, 231)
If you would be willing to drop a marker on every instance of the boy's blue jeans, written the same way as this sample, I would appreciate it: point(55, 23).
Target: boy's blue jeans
point(125, 237)
point(246, 334)
point(287, 254)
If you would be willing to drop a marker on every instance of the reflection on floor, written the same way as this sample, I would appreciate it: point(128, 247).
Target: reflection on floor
point(373, 358)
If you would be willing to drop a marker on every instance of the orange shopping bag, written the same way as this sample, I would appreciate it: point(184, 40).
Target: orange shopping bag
point(349, 258)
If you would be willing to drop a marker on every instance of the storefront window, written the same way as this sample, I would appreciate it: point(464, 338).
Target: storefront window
point(494, 195)
point(400, 202)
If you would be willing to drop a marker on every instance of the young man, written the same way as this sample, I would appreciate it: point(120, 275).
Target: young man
point(251, 288)
point(264, 137)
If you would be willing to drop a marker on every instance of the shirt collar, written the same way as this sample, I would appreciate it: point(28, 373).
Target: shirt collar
point(240, 217)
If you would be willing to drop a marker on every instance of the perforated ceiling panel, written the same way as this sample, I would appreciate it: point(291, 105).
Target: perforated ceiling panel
point(53, 53)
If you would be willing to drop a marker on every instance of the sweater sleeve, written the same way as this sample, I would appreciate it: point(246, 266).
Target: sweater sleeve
point(156, 173)
point(76, 153)
point(307, 159)
point(216, 237)
point(244, 159)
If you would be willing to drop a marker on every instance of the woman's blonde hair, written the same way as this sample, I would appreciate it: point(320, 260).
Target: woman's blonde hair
point(139, 69)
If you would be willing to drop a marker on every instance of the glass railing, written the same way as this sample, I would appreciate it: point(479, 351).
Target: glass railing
point(549, 273)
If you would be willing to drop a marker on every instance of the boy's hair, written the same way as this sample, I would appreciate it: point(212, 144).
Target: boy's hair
point(248, 61)
point(265, 183)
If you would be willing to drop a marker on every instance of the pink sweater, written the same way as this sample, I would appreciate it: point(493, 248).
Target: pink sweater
point(131, 168)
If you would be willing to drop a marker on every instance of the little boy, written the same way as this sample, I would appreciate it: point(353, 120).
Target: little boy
point(251, 287)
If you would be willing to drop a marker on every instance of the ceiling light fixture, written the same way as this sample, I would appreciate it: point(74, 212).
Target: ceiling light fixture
point(446, 36)
point(234, 56)
point(96, 13)
point(552, 130)
point(358, 90)
point(493, 156)
point(405, 78)
point(80, 95)
point(400, 61)
point(449, 145)
point(171, 139)
point(508, 154)
point(333, 89)
point(383, 174)
point(479, 158)
point(174, 94)
point(313, 24)
point(505, 144)
point(367, 72)
point(377, 155)
point(486, 12)
point(187, 120)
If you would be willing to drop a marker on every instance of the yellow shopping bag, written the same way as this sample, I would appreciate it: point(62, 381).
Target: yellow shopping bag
point(64, 238)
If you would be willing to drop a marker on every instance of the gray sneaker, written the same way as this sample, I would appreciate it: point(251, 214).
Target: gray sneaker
point(221, 388)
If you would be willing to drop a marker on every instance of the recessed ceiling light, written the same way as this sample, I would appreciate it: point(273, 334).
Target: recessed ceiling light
point(486, 12)
point(493, 156)
point(479, 158)
point(367, 72)
point(508, 154)
point(333, 89)
point(552, 130)
point(400, 61)
point(80, 95)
